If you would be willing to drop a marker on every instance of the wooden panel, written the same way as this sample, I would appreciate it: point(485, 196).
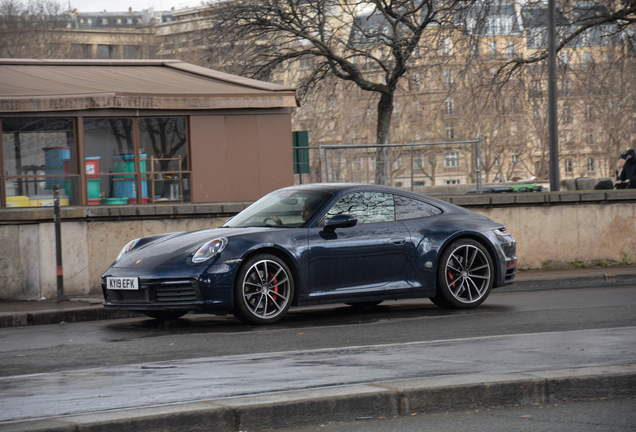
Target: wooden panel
point(239, 157)
point(207, 144)
point(243, 158)
point(275, 152)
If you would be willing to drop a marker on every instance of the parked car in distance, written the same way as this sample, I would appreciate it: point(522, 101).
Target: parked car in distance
point(508, 188)
point(316, 244)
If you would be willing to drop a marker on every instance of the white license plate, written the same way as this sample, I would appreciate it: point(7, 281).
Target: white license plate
point(122, 283)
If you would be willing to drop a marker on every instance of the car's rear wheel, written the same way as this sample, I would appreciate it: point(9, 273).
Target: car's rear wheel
point(465, 275)
point(264, 290)
point(165, 315)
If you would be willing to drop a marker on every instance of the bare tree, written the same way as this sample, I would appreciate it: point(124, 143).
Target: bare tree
point(369, 43)
point(577, 21)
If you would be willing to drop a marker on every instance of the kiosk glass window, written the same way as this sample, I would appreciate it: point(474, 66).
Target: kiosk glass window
point(39, 154)
point(163, 144)
point(110, 161)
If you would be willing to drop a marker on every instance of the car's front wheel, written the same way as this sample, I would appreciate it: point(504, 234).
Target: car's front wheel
point(465, 275)
point(264, 290)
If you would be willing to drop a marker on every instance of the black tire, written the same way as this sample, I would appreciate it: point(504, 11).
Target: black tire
point(367, 304)
point(465, 275)
point(165, 315)
point(440, 301)
point(259, 299)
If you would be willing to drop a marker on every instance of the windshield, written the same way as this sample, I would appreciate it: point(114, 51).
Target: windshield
point(283, 208)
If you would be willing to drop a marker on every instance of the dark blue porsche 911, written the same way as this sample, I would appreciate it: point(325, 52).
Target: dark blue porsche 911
point(316, 244)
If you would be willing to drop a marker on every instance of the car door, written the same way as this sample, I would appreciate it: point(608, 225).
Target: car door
point(362, 259)
point(427, 230)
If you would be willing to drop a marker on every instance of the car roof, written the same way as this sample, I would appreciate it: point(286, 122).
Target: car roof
point(342, 188)
point(345, 187)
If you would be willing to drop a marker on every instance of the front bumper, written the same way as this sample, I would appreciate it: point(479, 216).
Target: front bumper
point(506, 249)
point(174, 290)
point(156, 294)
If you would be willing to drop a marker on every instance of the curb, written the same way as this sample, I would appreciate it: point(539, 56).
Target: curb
point(62, 316)
point(356, 402)
point(545, 284)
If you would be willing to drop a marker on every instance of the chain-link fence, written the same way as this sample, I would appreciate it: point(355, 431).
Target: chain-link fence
point(408, 166)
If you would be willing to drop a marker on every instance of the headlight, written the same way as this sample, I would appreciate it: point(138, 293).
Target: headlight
point(209, 250)
point(131, 244)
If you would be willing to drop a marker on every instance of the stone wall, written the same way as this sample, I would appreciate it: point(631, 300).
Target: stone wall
point(91, 239)
point(587, 227)
point(553, 229)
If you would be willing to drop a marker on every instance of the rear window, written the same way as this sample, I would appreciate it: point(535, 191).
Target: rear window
point(410, 208)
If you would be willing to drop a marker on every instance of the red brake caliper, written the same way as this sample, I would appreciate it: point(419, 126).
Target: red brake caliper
point(275, 289)
point(451, 278)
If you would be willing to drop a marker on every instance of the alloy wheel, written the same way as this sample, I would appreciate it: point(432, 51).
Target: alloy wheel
point(467, 273)
point(266, 289)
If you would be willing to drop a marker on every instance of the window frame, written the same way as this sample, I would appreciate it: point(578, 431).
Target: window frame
point(449, 107)
point(452, 159)
point(510, 49)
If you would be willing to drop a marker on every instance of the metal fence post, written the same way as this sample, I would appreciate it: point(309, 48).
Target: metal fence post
point(478, 170)
point(319, 162)
point(326, 166)
point(411, 148)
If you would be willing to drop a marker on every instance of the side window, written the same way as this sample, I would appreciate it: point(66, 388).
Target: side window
point(368, 207)
point(409, 208)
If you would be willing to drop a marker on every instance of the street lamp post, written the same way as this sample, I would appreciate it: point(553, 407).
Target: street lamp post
point(553, 127)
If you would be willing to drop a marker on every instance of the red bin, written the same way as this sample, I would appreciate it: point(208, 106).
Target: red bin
point(92, 167)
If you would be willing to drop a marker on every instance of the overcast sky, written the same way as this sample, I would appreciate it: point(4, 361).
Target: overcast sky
point(123, 5)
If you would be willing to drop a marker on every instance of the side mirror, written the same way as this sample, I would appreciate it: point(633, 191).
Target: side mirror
point(340, 221)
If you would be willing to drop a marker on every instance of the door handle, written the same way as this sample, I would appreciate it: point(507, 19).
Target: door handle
point(398, 241)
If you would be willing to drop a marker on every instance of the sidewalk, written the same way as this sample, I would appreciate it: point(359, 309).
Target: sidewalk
point(77, 309)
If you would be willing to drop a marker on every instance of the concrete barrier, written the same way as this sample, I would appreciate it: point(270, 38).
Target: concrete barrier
point(91, 240)
point(561, 229)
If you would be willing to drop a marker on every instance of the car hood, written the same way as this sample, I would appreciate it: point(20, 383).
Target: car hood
point(176, 249)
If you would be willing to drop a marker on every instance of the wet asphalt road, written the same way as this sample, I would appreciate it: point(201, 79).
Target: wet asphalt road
point(84, 367)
